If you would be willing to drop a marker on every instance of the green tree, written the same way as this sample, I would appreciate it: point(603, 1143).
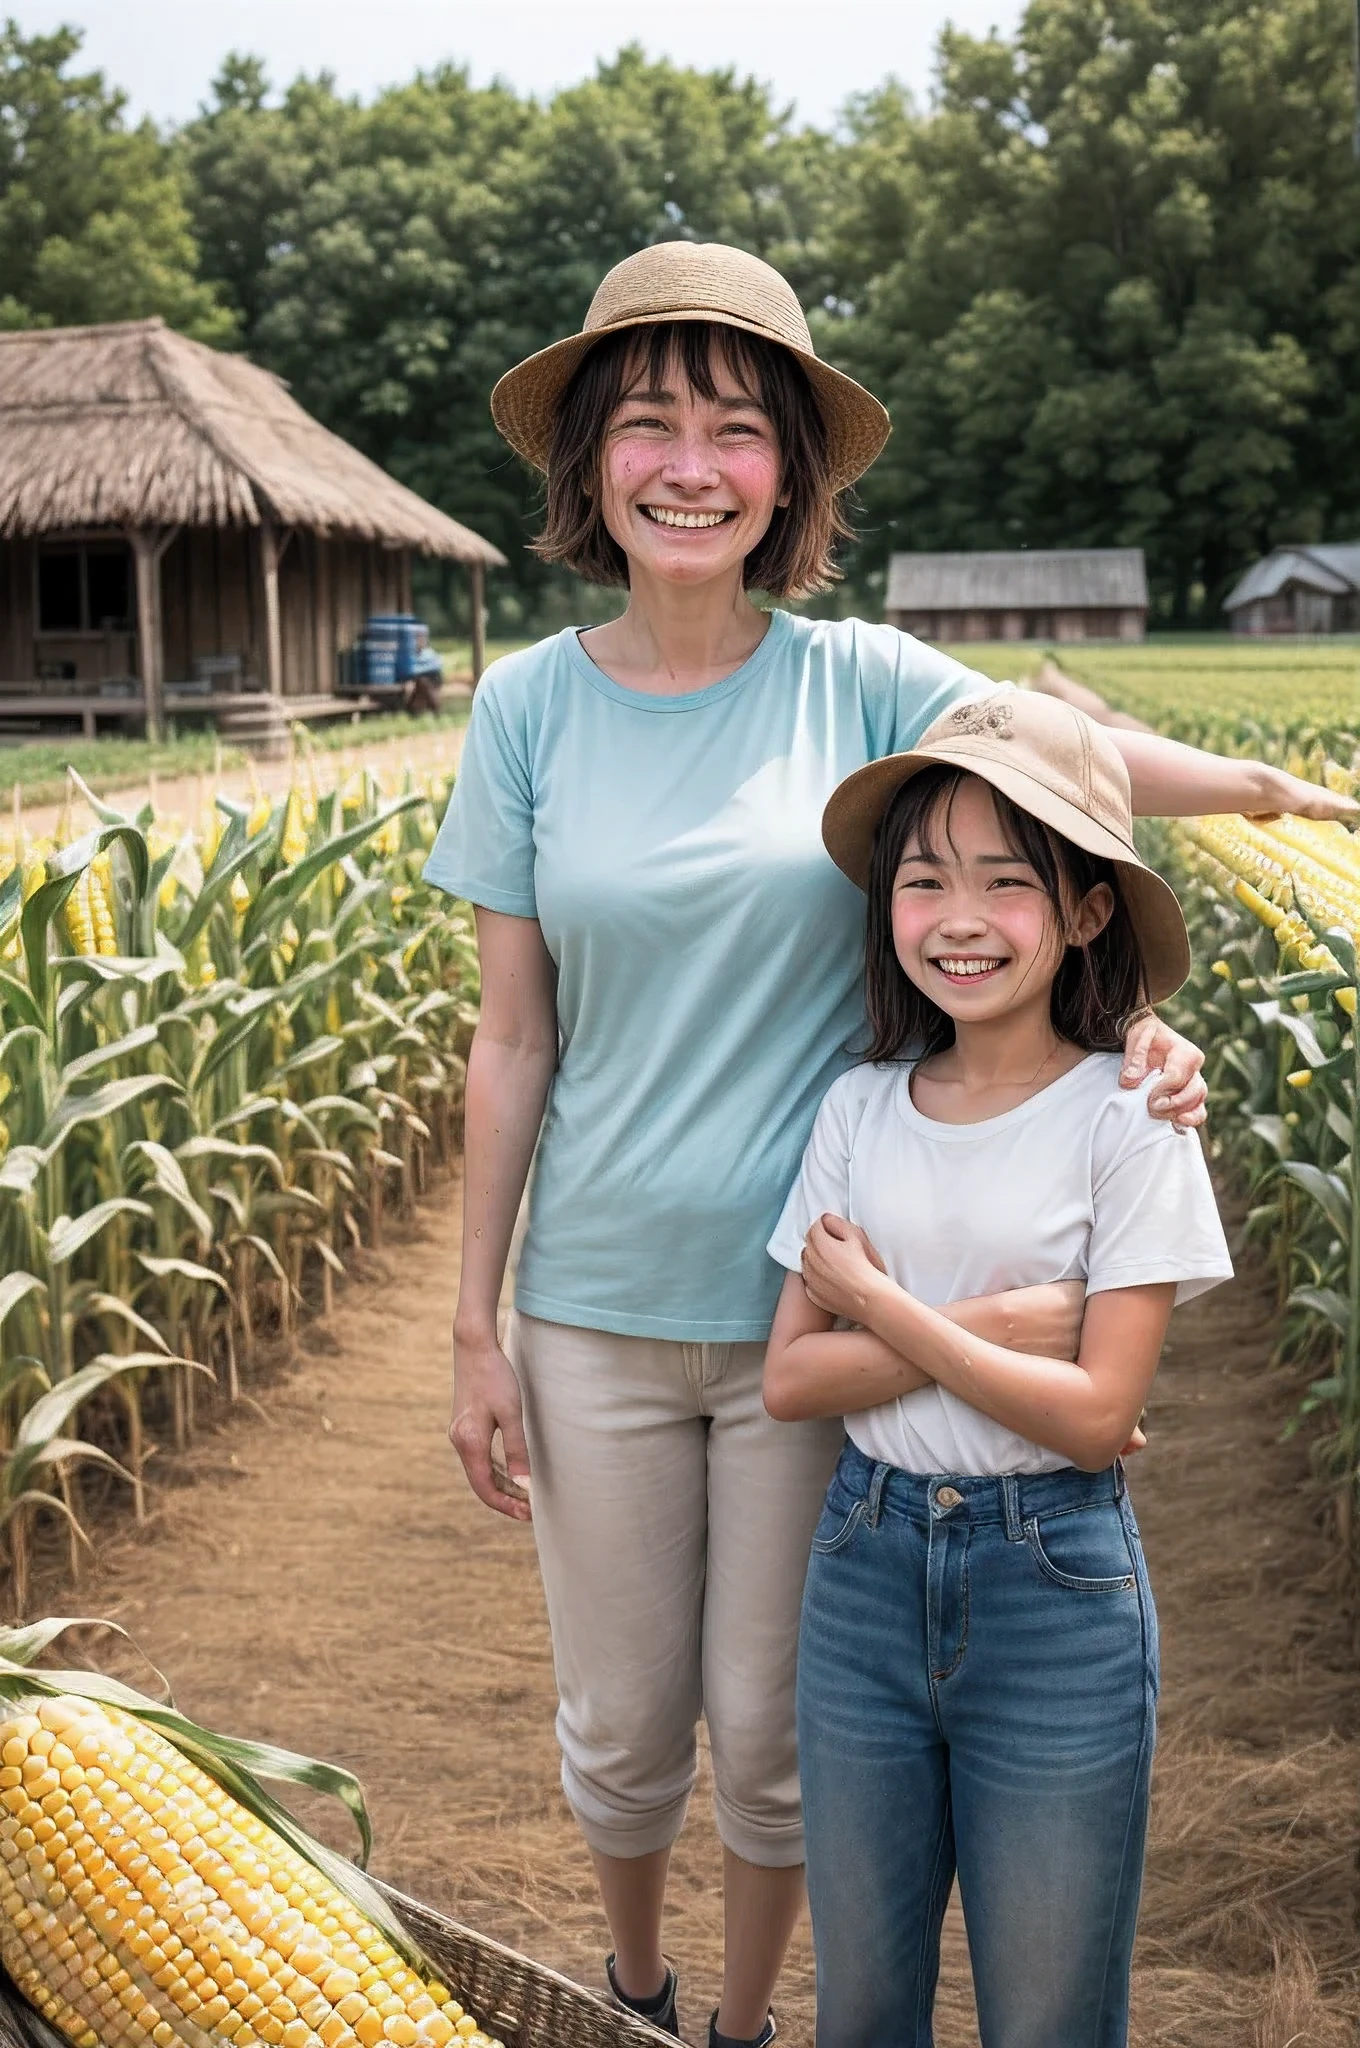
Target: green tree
point(391, 260)
point(93, 221)
point(1122, 303)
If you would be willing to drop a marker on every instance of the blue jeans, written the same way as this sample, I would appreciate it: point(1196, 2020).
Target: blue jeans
point(977, 1688)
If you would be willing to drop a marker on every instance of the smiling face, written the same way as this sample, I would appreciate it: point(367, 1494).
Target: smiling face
point(688, 482)
point(973, 925)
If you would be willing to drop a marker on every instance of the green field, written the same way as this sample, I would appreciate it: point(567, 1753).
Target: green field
point(1214, 691)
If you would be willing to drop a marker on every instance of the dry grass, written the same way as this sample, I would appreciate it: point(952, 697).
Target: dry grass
point(327, 1581)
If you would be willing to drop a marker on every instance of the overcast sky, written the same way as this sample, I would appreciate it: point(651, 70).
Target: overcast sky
point(164, 52)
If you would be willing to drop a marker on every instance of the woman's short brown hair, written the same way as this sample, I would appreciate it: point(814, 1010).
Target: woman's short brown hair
point(795, 557)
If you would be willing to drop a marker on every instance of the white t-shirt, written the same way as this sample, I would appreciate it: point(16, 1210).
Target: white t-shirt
point(1078, 1183)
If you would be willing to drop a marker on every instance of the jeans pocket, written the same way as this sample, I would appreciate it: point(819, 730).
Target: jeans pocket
point(838, 1524)
point(1086, 1550)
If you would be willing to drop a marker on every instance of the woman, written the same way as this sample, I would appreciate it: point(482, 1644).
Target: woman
point(670, 982)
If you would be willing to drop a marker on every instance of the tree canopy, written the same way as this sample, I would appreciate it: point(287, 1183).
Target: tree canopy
point(1108, 282)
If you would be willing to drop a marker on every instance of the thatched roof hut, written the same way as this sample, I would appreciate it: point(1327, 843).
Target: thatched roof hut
point(1025, 594)
point(132, 456)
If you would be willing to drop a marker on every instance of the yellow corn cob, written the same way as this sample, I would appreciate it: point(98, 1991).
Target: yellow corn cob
point(140, 1903)
point(1270, 868)
point(260, 809)
point(293, 844)
point(79, 921)
point(101, 914)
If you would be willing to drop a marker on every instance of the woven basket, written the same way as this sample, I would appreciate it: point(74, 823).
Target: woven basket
point(520, 2002)
point(523, 2004)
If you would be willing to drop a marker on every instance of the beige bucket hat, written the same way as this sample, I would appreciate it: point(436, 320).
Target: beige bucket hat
point(691, 281)
point(1054, 762)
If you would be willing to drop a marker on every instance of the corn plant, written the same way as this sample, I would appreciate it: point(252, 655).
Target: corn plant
point(227, 1049)
point(1274, 911)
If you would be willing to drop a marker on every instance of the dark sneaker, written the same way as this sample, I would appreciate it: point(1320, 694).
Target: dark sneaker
point(762, 2039)
point(659, 2011)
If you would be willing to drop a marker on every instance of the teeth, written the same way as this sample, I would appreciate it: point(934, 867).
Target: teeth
point(967, 967)
point(665, 515)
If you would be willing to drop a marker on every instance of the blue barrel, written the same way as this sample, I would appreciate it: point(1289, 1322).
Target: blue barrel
point(375, 661)
point(408, 635)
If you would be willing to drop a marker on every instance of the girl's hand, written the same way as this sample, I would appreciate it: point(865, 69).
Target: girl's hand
point(839, 1263)
point(486, 1398)
point(1180, 1095)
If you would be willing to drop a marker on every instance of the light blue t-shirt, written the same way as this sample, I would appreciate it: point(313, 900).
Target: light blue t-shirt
point(709, 954)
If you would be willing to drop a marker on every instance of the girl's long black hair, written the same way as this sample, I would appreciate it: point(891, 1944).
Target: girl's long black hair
point(1097, 988)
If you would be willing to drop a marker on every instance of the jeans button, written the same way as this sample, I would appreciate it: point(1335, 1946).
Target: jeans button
point(948, 1497)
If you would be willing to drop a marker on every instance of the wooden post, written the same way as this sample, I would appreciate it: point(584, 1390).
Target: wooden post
point(477, 578)
point(270, 553)
point(150, 653)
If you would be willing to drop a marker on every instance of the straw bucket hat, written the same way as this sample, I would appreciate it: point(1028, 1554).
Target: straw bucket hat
point(1054, 762)
point(691, 281)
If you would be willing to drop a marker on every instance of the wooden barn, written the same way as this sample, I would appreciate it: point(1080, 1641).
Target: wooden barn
point(1033, 594)
point(177, 534)
point(1297, 589)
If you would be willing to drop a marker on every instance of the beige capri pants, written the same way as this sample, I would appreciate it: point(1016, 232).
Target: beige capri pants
point(674, 1521)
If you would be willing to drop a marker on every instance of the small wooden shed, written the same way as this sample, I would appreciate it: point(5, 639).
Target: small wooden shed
point(1031, 594)
point(1297, 589)
point(174, 527)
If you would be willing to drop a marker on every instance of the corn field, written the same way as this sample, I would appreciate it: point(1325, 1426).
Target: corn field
point(225, 1052)
point(1274, 915)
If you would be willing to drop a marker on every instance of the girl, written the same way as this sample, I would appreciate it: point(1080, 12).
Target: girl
point(978, 1660)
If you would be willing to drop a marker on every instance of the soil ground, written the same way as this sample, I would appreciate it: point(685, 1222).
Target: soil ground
point(318, 1573)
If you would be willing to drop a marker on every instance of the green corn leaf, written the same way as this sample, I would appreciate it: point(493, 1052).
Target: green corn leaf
point(1304, 1034)
point(20, 1168)
point(99, 1105)
point(144, 968)
point(20, 1000)
point(1327, 1190)
point(69, 1234)
point(184, 1269)
point(87, 1298)
point(168, 1176)
point(52, 1456)
point(11, 896)
point(282, 892)
point(16, 1372)
point(1324, 1301)
point(236, 1154)
point(51, 1413)
point(108, 1055)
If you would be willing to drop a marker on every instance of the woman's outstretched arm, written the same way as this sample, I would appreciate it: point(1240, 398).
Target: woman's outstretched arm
point(510, 1067)
point(1174, 781)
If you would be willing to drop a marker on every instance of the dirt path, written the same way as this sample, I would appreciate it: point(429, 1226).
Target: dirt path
point(325, 1579)
point(182, 796)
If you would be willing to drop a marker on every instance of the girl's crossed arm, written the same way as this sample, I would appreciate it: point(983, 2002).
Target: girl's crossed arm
point(1086, 1411)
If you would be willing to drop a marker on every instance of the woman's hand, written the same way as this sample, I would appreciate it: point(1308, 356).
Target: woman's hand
point(486, 1398)
point(1180, 1095)
point(838, 1265)
point(1285, 793)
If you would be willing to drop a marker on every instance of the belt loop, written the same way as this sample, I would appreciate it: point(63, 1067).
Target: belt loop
point(1010, 1501)
point(1120, 1483)
point(877, 1481)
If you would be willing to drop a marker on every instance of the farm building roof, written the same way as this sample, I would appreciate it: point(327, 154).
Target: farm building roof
point(135, 425)
point(1030, 578)
point(1333, 568)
